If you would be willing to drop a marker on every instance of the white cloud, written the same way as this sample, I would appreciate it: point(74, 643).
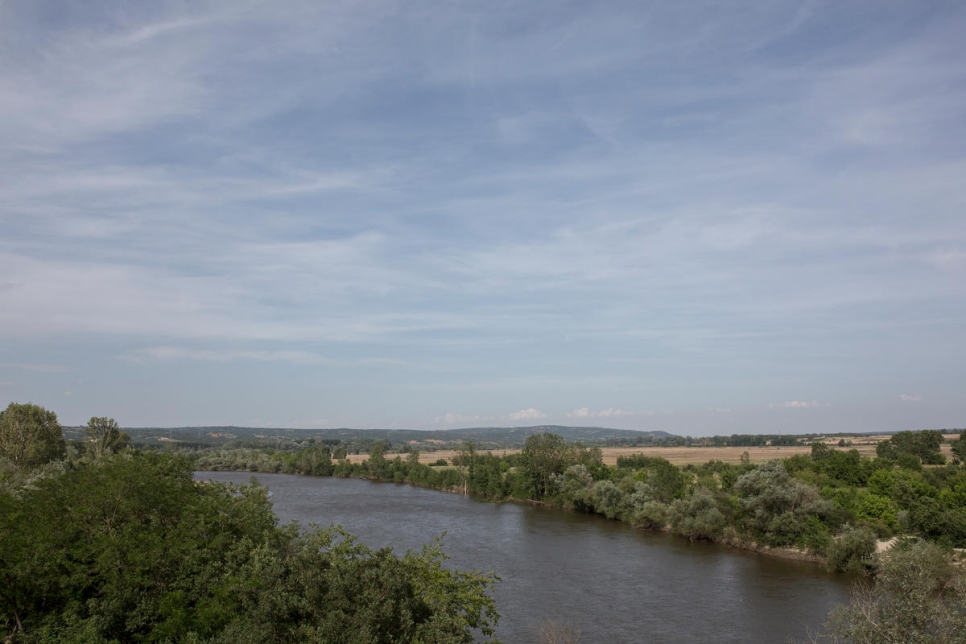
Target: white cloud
point(795, 404)
point(158, 193)
point(720, 410)
point(613, 413)
point(530, 413)
point(910, 397)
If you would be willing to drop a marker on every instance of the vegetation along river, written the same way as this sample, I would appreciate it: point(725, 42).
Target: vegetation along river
point(612, 582)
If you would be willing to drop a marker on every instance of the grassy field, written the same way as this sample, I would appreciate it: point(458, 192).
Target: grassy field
point(695, 455)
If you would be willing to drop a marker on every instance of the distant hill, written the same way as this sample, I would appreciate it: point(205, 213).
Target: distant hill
point(483, 437)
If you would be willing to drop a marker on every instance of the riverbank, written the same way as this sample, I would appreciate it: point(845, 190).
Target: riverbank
point(591, 573)
point(791, 554)
point(827, 507)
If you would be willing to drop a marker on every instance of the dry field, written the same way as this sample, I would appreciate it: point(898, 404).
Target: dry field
point(690, 455)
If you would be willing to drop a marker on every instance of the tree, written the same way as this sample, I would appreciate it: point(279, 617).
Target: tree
point(30, 435)
point(546, 456)
point(129, 548)
point(917, 598)
point(463, 460)
point(959, 448)
point(924, 445)
point(777, 508)
point(105, 437)
point(377, 460)
point(820, 451)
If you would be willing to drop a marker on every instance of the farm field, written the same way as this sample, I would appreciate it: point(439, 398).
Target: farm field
point(865, 444)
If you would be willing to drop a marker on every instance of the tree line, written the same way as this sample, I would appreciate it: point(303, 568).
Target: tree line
point(806, 501)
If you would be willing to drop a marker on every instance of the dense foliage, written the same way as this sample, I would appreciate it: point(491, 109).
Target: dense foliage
point(30, 435)
point(129, 548)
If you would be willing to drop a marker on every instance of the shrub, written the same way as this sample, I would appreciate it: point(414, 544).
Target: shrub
point(852, 551)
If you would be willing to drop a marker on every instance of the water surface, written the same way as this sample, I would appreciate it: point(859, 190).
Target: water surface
point(612, 582)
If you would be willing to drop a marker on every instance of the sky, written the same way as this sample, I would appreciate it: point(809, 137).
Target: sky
point(697, 217)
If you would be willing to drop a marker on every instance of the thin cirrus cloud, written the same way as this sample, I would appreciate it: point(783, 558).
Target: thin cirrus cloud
point(591, 198)
point(795, 404)
point(586, 412)
point(910, 398)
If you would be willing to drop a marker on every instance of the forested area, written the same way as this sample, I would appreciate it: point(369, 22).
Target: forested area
point(101, 543)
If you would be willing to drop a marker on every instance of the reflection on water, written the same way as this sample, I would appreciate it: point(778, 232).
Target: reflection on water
point(614, 583)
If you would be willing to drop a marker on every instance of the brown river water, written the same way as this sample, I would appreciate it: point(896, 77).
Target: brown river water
point(611, 582)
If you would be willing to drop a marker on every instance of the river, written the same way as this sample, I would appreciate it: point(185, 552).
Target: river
point(610, 581)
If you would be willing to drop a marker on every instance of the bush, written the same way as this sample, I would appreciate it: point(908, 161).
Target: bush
point(608, 500)
point(852, 551)
point(698, 517)
point(652, 515)
point(918, 598)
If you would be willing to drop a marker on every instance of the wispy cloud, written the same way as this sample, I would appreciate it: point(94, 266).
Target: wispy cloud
point(586, 412)
point(583, 202)
point(910, 398)
point(795, 404)
point(530, 413)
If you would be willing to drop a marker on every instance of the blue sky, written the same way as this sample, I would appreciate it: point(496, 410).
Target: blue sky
point(700, 217)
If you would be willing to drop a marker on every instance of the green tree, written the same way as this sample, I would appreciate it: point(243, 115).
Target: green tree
point(924, 445)
point(105, 437)
point(463, 460)
point(546, 456)
point(852, 551)
point(820, 451)
point(959, 448)
point(129, 548)
point(377, 460)
point(777, 508)
point(917, 598)
point(30, 435)
point(698, 516)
